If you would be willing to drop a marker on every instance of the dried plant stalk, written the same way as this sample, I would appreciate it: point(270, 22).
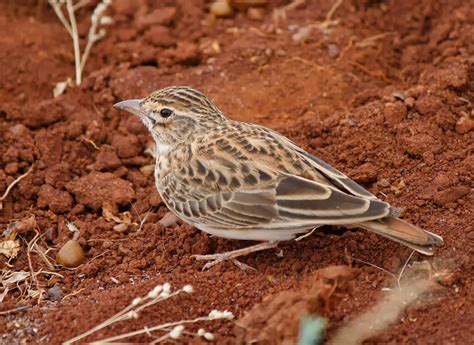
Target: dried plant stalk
point(95, 34)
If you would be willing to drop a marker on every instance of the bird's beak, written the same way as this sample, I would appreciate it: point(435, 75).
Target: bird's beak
point(130, 105)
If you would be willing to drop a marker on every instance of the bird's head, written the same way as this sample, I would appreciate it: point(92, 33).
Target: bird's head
point(174, 113)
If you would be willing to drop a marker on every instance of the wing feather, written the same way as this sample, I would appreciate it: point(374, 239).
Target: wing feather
point(266, 198)
point(326, 204)
point(335, 176)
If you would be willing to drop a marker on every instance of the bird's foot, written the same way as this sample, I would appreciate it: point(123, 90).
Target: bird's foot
point(214, 259)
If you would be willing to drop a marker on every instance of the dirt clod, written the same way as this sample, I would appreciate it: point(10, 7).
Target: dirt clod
point(277, 319)
point(96, 188)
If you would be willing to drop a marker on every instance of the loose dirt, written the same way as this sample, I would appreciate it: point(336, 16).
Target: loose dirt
point(384, 93)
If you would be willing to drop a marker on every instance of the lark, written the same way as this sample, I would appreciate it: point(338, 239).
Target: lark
point(243, 181)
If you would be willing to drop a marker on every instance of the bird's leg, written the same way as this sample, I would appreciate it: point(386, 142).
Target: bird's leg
point(214, 259)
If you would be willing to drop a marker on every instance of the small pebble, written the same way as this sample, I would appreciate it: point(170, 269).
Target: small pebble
point(221, 9)
point(464, 125)
point(55, 293)
point(255, 13)
point(71, 254)
point(120, 227)
point(333, 50)
point(409, 102)
point(280, 52)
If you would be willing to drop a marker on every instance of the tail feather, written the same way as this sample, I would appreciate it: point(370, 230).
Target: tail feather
point(405, 233)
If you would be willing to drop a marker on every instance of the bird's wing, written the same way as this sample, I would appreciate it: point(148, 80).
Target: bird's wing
point(261, 198)
point(336, 177)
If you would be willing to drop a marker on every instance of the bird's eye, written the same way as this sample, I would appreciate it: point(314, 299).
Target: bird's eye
point(165, 112)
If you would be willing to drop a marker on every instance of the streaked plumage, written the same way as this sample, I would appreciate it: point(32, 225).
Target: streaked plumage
point(240, 180)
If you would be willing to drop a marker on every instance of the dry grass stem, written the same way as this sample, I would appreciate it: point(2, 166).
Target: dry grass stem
point(75, 41)
point(396, 277)
point(370, 40)
point(333, 9)
point(420, 277)
point(306, 235)
point(157, 294)
point(95, 34)
point(11, 311)
point(382, 315)
point(7, 191)
point(30, 264)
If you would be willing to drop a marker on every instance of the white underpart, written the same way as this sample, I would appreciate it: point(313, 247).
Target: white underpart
point(255, 235)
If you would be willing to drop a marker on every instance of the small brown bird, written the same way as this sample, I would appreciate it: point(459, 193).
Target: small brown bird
point(243, 181)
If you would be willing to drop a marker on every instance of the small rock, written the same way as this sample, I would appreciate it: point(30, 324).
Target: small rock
point(395, 112)
point(456, 75)
point(351, 122)
point(159, 36)
point(137, 178)
point(258, 60)
point(155, 198)
point(11, 168)
point(126, 7)
point(71, 254)
point(58, 201)
point(333, 50)
point(280, 52)
point(49, 144)
point(147, 170)
point(365, 173)
point(399, 96)
point(74, 130)
point(221, 8)
point(127, 145)
point(20, 130)
point(58, 175)
point(409, 102)
point(55, 293)
point(419, 144)
point(43, 113)
point(428, 105)
point(450, 195)
point(134, 126)
point(126, 34)
point(160, 16)
point(120, 227)
point(255, 13)
point(107, 159)
point(96, 188)
point(463, 125)
point(442, 181)
point(383, 183)
point(187, 53)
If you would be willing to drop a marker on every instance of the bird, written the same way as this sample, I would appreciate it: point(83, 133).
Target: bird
point(240, 180)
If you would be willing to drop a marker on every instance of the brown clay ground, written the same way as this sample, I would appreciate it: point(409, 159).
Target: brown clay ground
point(385, 95)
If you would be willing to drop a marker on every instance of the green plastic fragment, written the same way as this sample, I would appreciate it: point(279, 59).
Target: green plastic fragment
point(311, 330)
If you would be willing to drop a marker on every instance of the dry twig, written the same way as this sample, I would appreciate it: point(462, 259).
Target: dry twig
point(95, 34)
point(18, 179)
point(157, 294)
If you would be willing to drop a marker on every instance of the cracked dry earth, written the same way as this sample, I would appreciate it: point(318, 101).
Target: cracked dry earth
point(384, 93)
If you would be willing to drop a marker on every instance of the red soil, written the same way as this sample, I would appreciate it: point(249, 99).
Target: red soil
point(393, 111)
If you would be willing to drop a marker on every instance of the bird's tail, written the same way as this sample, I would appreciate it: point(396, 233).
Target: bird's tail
point(405, 233)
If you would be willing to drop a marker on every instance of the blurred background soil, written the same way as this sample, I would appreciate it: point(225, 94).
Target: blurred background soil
point(382, 90)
